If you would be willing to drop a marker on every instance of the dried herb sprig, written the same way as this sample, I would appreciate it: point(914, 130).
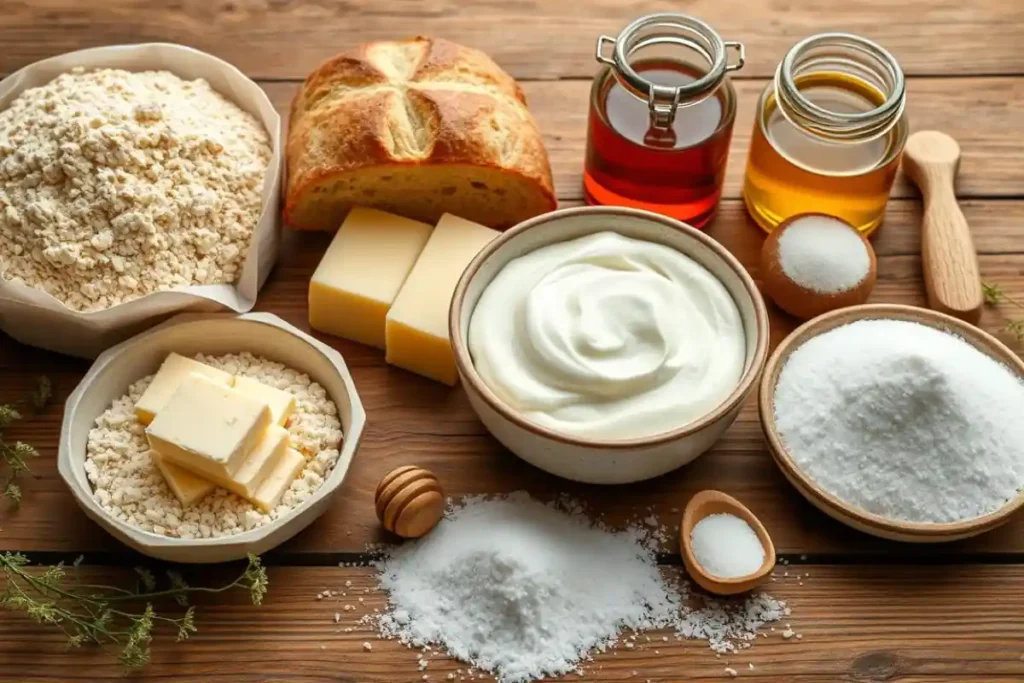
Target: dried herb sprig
point(111, 615)
point(994, 295)
point(15, 456)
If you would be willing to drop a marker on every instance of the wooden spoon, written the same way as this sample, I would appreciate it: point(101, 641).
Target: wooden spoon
point(710, 502)
point(951, 274)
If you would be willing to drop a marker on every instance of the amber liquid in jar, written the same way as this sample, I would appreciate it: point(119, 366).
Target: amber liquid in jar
point(678, 173)
point(790, 171)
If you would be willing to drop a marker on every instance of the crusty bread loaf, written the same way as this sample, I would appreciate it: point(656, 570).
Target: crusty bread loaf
point(418, 127)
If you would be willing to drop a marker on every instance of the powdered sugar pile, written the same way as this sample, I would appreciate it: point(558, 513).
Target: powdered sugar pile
point(903, 420)
point(525, 590)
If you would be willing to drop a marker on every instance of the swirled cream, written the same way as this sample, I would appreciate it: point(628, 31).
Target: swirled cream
point(608, 337)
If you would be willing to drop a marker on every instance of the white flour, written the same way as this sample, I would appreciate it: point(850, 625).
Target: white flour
point(823, 255)
point(523, 590)
point(904, 421)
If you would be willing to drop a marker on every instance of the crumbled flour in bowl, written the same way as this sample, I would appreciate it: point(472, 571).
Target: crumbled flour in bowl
point(116, 184)
point(524, 590)
point(128, 484)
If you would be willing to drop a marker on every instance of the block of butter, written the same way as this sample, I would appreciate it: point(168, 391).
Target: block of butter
point(361, 272)
point(187, 487)
point(417, 324)
point(279, 480)
point(282, 403)
point(174, 369)
point(208, 428)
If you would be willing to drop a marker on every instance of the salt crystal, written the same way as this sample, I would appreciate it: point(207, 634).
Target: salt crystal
point(726, 547)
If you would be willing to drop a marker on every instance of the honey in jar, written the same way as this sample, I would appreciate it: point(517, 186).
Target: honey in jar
point(660, 124)
point(828, 134)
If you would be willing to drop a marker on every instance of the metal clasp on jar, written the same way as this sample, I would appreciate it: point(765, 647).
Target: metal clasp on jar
point(672, 29)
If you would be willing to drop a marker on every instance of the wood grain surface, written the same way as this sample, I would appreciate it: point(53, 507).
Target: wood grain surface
point(909, 623)
point(533, 39)
point(871, 610)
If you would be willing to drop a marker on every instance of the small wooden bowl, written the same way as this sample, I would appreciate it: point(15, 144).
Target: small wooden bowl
point(798, 300)
point(856, 517)
point(712, 502)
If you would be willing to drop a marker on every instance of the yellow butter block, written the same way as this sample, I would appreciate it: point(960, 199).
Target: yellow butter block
point(417, 324)
point(208, 428)
point(282, 403)
point(174, 369)
point(187, 487)
point(279, 480)
point(361, 272)
point(258, 465)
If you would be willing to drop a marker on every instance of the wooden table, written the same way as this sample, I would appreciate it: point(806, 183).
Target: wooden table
point(869, 611)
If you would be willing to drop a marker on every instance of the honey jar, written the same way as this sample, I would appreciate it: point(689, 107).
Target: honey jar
point(661, 117)
point(828, 133)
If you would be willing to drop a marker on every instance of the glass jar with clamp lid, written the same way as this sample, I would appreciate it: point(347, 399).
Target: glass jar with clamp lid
point(661, 117)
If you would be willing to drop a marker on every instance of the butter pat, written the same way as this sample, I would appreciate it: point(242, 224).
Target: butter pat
point(188, 488)
point(174, 369)
point(208, 428)
point(361, 272)
point(258, 465)
point(417, 324)
point(281, 403)
point(279, 480)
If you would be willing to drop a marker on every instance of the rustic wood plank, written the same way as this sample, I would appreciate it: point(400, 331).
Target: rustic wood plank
point(858, 624)
point(981, 113)
point(531, 38)
point(415, 420)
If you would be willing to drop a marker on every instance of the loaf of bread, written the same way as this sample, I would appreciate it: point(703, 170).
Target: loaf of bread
point(419, 127)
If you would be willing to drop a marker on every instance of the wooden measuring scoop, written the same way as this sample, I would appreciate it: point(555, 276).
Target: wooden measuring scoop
point(951, 274)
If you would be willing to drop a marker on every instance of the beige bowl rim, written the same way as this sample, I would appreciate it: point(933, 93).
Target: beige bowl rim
point(472, 381)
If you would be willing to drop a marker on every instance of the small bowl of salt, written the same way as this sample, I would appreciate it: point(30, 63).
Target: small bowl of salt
point(725, 548)
point(814, 263)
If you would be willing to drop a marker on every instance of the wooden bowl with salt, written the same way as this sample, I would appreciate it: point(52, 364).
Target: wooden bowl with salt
point(852, 515)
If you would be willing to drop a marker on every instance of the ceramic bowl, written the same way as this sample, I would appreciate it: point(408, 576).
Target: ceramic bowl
point(851, 515)
point(259, 333)
point(591, 460)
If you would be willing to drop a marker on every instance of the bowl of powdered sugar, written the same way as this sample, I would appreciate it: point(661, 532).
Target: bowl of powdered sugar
point(898, 421)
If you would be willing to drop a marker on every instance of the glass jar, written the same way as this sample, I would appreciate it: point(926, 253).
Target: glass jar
point(661, 117)
point(828, 133)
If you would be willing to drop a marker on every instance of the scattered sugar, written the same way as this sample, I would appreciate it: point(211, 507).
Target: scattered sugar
point(823, 254)
point(524, 590)
point(903, 420)
point(726, 547)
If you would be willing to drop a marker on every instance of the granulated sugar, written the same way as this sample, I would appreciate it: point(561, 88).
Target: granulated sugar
point(823, 254)
point(903, 420)
point(525, 590)
point(725, 546)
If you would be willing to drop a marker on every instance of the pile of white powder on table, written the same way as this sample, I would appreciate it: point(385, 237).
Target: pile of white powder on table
point(524, 590)
point(116, 184)
point(903, 420)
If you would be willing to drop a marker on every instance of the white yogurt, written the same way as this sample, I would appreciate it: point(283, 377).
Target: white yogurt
point(608, 337)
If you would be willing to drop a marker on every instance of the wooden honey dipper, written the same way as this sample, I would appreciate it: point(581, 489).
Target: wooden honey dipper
point(952, 277)
point(409, 501)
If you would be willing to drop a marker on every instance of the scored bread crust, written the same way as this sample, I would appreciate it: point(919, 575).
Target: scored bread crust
point(427, 104)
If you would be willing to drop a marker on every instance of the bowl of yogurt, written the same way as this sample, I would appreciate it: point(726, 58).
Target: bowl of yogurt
point(605, 344)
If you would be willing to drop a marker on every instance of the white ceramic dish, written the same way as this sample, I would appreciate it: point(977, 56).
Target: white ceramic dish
point(594, 461)
point(259, 333)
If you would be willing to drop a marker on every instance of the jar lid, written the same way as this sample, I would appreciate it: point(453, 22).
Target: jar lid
point(672, 29)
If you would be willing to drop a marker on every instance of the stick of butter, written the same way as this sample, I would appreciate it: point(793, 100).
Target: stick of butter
point(417, 324)
point(282, 403)
point(174, 369)
point(187, 487)
point(208, 428)
point(279, 480)
point(361, 272)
